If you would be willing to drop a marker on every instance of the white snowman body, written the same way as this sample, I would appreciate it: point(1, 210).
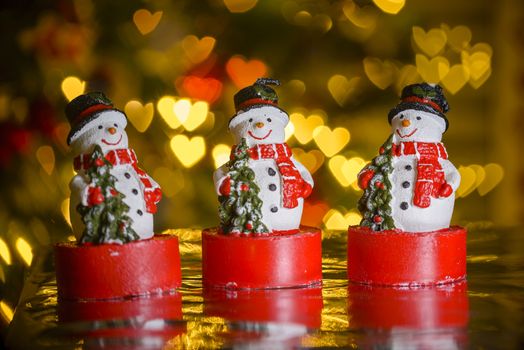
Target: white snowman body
point(419, 126)
point(262, 126)
point(108, 131)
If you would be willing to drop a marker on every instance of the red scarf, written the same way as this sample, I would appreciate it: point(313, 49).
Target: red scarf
point(430, 176)
point(152, 193)
point(292, 182)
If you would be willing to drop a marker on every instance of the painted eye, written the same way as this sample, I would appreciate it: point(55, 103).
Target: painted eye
point(100, 127)
point(268, 120)
point(250, 120)
point(401, 116)
point(116, 125)
point(418, 118)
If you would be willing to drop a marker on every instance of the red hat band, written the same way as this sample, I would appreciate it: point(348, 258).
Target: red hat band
point(89, 111)
point(255, 101)
point(424, 101)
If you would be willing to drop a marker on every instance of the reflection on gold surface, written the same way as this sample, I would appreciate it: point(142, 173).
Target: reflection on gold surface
point(25, 250)
point(482, 258)
point(200, 335)
point(7, 312)
point(4, 252)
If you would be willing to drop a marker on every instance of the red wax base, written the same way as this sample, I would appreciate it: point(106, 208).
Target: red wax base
point(290, 305)
point(414, 308)
point(261, 262)
point(110, 271)
point(398, 258)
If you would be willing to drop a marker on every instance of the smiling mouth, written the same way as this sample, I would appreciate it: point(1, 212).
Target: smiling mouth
point(112, 144)
point(408, 135)
point(260, 138)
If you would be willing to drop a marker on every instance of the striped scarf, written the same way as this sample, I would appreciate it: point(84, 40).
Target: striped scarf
point(152, 193)
point(430, 176)
point(292, 182)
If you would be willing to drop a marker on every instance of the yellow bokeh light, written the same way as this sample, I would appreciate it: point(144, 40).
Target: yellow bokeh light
point(197, 115)
point(6, 311)
point(64, 207)
point(221, 154)
point(363, 17)
point(304, 127)
point(353, 218)
point(139, 115)
point(166, 108)
point(346, 170)
point(330, 142)
point(4, 252)
point(182, 108)
point(482, 178)
point(46, 157)
point(25, 250)
point(494, 175)
point(73, 87)
point(191, 116)
point(188, 151)
point(390, 6)
point(197, 50)
point(334, 220)
point(240, 6)
point(146, 21)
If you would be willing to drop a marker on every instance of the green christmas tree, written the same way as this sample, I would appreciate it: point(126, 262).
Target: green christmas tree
point(375, 202)
point(105, 215)
point(240, 211)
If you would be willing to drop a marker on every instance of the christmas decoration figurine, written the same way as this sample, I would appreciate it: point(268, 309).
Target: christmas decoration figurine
point(404, 237)
point(98, 127)
point(283, 182)
point(112, 207)
point(261, 191)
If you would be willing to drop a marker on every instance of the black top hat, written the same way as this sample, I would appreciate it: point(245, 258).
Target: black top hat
point(422, 97)
point(85, 108)
point(260, 94)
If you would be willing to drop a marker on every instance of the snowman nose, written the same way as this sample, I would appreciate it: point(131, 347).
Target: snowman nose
point(406, 123)
point(259, 125)
point(111, 130)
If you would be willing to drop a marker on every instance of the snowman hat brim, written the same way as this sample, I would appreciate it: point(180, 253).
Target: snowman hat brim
point(86, 123)
point(404, 106)
point(256, 110)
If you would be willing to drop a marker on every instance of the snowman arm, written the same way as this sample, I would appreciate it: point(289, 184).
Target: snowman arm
point(78, 186)
point(451, 173)
point(306, 176)
point(218, 177)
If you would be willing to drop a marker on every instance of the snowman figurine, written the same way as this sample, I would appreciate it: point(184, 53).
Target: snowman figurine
point(97, 125)
point(410, 185)
point(283, 182)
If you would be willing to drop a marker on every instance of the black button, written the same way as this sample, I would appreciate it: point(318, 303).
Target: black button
point(134, 190)
point(271, 172)
point(408, 167)
point(139, 212)
point(405, 184)
point(404, 205)
point(127, 175)
point(274, 209)
point(272, 187)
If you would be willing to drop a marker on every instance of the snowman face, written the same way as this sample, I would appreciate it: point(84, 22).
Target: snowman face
point(107, 131)
point(419, 126)
point(262, 125)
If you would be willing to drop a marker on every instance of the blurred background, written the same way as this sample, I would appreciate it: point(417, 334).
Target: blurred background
point(174, 66)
